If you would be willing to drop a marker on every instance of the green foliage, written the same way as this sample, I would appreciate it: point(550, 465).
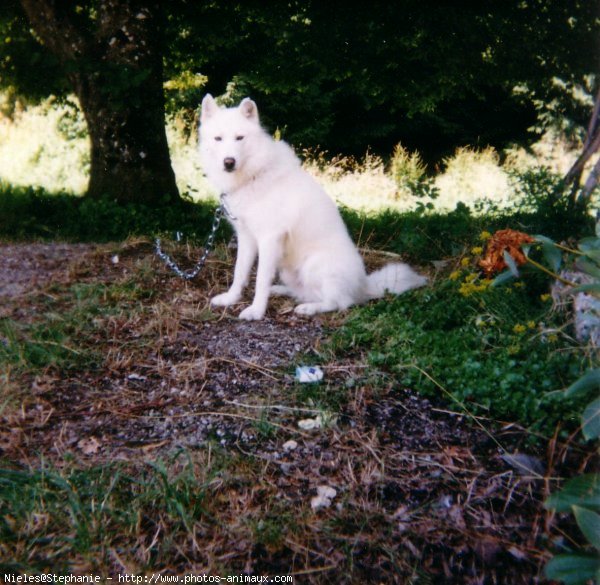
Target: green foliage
point(432, 75)
point(580, 496)
point(486, 348)
point(33, 213)
point(543, 192)
point(184, 92)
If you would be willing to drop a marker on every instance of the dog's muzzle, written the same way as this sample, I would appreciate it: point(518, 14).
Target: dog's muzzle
point(229, 164)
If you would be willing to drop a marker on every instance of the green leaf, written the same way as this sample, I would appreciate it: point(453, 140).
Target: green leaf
point(588, 288)
point(503, 277)
point(544, 240)
point(590, 420)
point(594, 255)
point(589, 267)
point(589, 244)
point(589, 523)
point(573, 569)
point(510, 262)
point(551, 253)
point(589, 381)
point(583, 490)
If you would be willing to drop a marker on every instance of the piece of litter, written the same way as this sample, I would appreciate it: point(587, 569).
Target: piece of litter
point(526, 465)
point(290, 445)
point(115, 259)
point(308, 424)
point(323, 498)
point(306, 374)
point(89, 446)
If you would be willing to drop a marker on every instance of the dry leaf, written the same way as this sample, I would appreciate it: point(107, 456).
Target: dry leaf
point(504, 240)
point(89, 446)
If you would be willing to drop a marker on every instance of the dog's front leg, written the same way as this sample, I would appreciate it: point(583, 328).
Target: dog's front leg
point(269, 253)
point(246, 255)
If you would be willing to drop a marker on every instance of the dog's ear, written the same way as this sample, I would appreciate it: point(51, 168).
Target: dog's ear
point(209, 107)
point(249, 109)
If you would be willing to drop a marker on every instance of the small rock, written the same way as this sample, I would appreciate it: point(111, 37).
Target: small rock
point(308, 424)
point(325, 495)
point(290, 445)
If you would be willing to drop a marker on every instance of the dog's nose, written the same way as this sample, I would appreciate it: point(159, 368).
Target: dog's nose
point(229, 164)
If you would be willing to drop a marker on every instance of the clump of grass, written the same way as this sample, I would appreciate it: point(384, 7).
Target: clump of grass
point(107, 508)
point(66, 335)
point(473, 175)
point(407, 168)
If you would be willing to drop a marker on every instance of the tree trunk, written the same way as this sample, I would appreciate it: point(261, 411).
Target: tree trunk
point(113, 58)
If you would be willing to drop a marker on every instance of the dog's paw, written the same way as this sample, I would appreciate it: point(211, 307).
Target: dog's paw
point(224, 299)
point(252, 313)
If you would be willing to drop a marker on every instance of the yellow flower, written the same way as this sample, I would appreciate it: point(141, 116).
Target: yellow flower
point(519, 328)
point(469, 287)
point(552, 338)
point(484, 236)
point(466, 289)
point(545, 297)
point(476, 250)
point(465, 261)
point(455, 275)
point(531, 324)
point(519, 284)
point(470, 277)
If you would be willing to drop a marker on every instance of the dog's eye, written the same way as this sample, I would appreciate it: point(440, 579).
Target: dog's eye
point(239, 138)
point(218, 138)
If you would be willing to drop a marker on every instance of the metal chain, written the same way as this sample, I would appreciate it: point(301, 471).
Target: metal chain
point(208, 246)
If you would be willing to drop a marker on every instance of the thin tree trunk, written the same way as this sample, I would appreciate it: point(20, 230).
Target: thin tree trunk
point(113, 58)
point(590, 147)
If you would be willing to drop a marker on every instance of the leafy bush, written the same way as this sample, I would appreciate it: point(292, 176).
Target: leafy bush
point(541, 194)
point(499, 351)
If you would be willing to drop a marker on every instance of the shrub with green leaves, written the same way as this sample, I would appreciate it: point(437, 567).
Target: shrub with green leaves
point(498, 351)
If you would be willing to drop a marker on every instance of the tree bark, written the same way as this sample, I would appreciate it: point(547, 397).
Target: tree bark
point(590, 147)
point(112, 53)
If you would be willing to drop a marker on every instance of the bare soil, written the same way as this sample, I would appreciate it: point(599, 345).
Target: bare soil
point(153, 370)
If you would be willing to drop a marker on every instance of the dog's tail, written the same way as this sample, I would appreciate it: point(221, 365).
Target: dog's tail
point(395, 278)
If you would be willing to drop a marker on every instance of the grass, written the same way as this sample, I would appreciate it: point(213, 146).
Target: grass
point(119, 363)
point(82, 490)
point(164, 500)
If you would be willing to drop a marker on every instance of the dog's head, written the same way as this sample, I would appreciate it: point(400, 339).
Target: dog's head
point(226, 133)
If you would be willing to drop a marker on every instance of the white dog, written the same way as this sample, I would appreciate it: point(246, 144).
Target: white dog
point(281, 215)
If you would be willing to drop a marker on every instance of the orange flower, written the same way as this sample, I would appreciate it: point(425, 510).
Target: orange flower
point(509, 240)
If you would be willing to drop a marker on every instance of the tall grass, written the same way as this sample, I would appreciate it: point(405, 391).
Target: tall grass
point(47, 146)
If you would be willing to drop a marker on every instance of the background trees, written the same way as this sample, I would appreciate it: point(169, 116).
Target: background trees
point(433, 75)
point(111, 55)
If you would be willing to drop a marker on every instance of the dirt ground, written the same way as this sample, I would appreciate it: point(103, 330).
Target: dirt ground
point(167, 373)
